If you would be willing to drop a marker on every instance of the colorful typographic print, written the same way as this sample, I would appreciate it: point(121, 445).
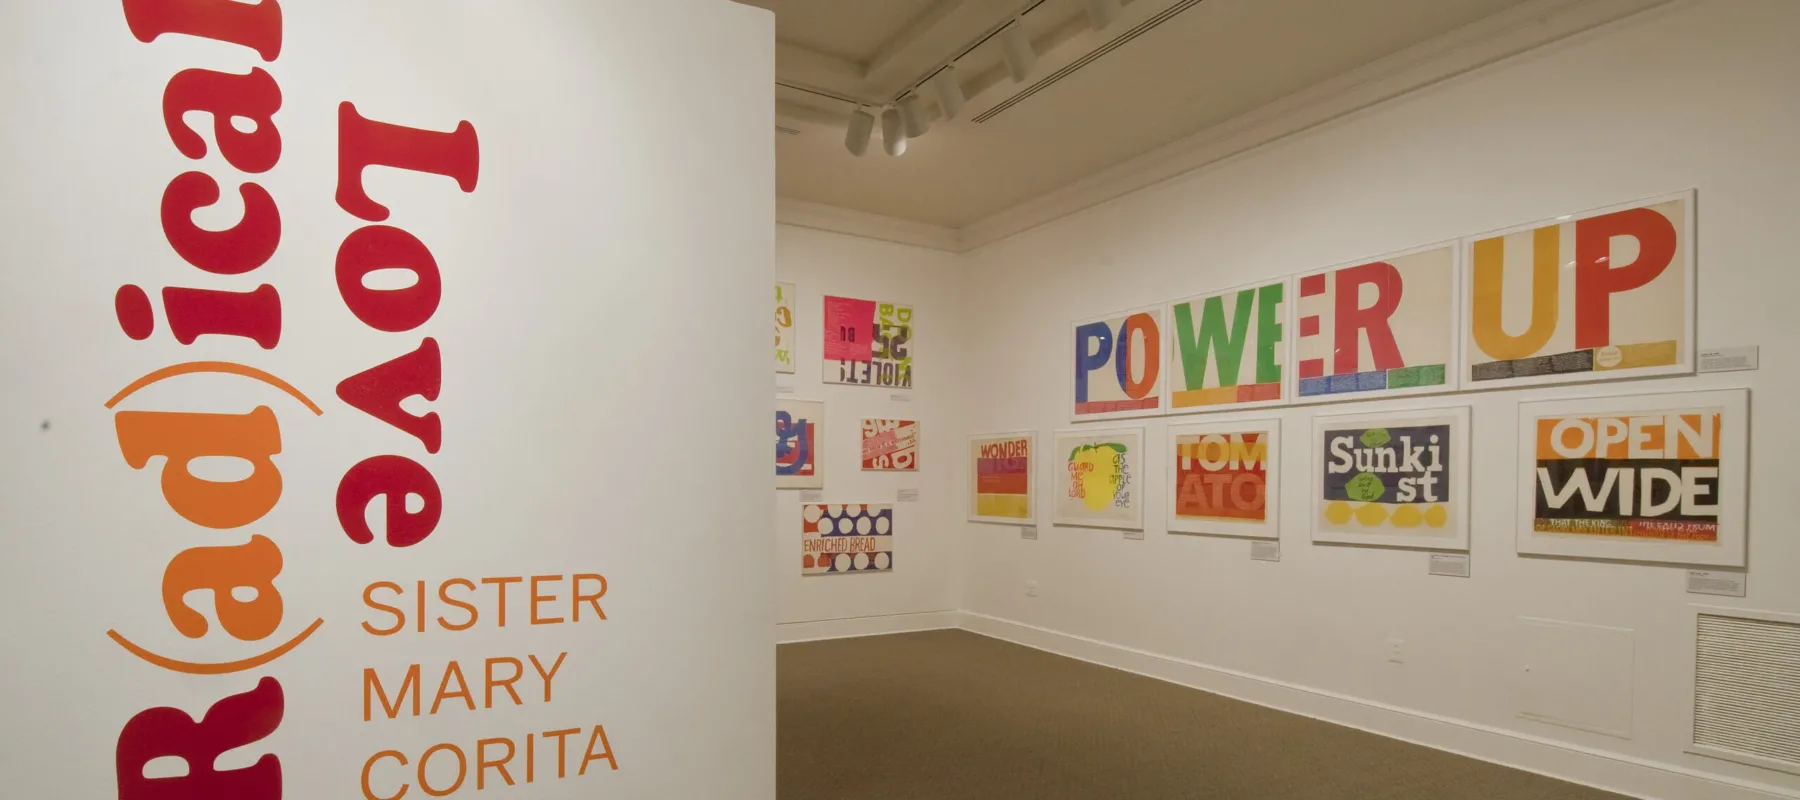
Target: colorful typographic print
point(1602, 296)
point(1227, 349)
point(1118, 365)
point(784, 327)
point(1390, 479)
point(890, 445)
point(867, 343)
point(1100, 478)
point(1645, 476)
point(1222, 476)
point(1000, 478)
point(846, 538)
point(799, 428)
point(1382, 327)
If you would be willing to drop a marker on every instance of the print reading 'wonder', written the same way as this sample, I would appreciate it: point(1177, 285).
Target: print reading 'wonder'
point(1652, 476)
point(1003, 479)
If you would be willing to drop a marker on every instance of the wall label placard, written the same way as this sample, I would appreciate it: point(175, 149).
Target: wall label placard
point(1724, 583)
point(1729, 359)
point(1266, 550)
point(1449, 565)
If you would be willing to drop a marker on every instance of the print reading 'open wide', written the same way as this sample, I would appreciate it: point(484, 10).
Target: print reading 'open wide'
point(1648, 476)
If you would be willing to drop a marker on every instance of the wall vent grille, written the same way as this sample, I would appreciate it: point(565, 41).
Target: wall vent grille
point(1747, 688)
point(1139, 30)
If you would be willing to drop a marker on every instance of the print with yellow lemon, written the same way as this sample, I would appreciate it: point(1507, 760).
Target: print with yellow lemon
point(1392, 480)
point(1100, 482)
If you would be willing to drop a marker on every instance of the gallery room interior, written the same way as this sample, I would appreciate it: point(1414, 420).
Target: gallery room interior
point(1237, 399)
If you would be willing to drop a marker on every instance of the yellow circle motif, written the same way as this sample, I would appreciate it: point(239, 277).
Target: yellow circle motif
point(1407, 517)
point(1436, 516)
point(1337, 512)
point(1371, 514)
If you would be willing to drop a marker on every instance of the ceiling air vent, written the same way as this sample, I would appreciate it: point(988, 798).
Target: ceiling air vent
point(1747, 688)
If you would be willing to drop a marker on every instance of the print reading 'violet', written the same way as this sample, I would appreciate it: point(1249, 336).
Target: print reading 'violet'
point(1388, 465)
point(868, 343)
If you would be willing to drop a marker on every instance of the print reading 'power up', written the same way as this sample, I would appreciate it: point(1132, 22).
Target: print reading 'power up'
point(1221, 476)
point(1652, 476)
point(1227, 348)
point(1381, 327)
point(1604, 296)
point(1118, 365)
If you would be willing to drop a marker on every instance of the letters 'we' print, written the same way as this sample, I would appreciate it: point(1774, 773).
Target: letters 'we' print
point(1378, 328)
point(1118, 365)
point(1226, 350)
point(1604, 295)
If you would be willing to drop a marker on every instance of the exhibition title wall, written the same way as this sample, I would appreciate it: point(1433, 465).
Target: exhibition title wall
point(341, 479)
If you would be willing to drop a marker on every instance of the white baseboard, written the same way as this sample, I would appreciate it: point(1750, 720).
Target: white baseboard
point(1602, 770)
point(814, 630)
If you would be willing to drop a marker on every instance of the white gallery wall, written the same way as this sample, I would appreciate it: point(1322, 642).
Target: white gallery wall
point(515, 560)
point(1693, 95)
point(922, 582)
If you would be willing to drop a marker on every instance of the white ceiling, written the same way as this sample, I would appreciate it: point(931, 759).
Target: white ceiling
point(1193, 66)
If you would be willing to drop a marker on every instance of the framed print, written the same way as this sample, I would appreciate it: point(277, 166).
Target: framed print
point(846, 538)
point(1001, 477)
point(867, 343)
point(1601, 295)
point(1117, 365)
point(1392, 479)
point(1653, 477)
point(1223, 478)
point(1383, 327)
point(1099, 478)
point(799, 430)
point(890, 445)
point(1226, 349)
point(784, 327)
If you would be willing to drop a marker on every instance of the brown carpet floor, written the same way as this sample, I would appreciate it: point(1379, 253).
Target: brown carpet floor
point(948, 715)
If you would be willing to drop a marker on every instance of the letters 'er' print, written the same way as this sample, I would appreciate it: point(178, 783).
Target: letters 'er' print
point(799, 430)
point(1226, 349)
point(1384, 327)
point(1397, 479)
point(1118, 365)
point(1609, 294)
point(868, 343)
point(1645, 478)
point(1223, 477)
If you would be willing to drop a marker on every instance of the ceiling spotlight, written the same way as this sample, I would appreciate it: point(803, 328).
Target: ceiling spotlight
point(1020, 58)
point(912, 116)
point(949, 92)
point(856, 139)
point(893, 133)
point(1102, 13)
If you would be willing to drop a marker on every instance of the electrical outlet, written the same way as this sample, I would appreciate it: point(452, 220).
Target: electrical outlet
point(1396, 650)
point(1031, 588)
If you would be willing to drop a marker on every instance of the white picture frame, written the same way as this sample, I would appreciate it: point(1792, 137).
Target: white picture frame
point(1075, 501)
point(1685, 349)
point(1450, 327)
point(972, 487)
point(1536, 475)
point(1097, 384)
point(1268, 431)
point(1337, 520)
point(1173, 363)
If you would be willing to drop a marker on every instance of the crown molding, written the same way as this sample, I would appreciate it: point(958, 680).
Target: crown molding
point(1512, 33)
point(803, 214)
